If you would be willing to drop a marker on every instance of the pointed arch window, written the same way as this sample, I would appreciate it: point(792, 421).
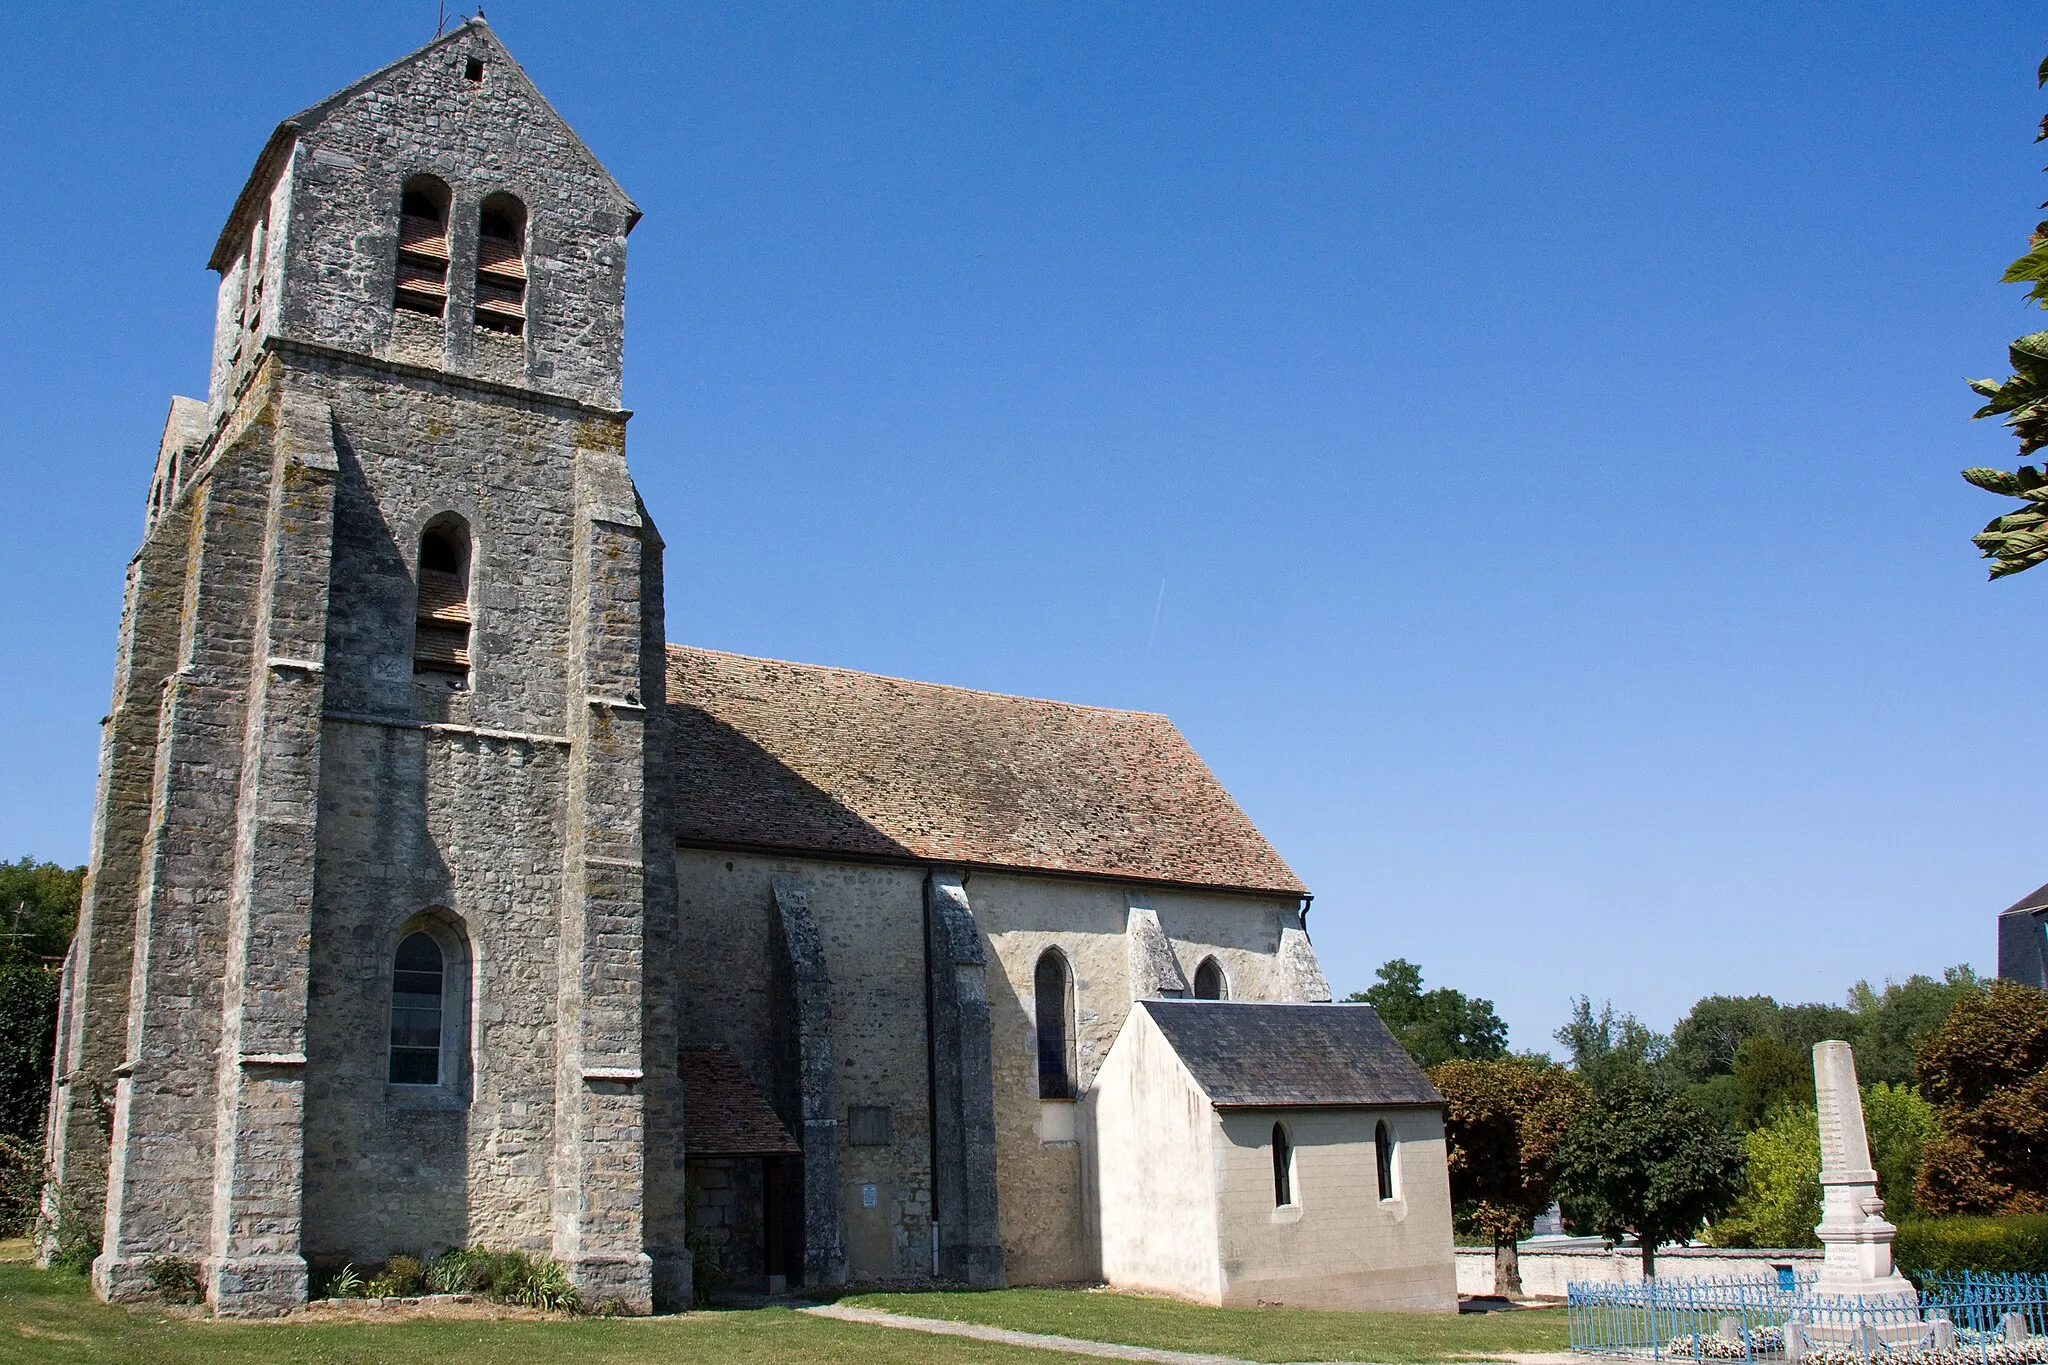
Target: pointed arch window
point(501, 265)
point(440, 642)
point(1283, 1167)
point(422, 285)
point(1383, 1153)
point(1209, 982)
point(1053, 995)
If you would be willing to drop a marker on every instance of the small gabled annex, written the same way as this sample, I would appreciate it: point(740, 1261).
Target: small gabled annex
point(1258, 1153)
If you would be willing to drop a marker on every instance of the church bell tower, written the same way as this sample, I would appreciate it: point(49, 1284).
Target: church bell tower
point(382, 896)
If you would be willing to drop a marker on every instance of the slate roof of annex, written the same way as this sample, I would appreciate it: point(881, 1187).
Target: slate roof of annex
point(776, 755)
point(1258, 1055)
point(2036, 901)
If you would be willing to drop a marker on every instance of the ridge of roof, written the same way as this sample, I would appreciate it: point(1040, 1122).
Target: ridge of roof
point(675, 649)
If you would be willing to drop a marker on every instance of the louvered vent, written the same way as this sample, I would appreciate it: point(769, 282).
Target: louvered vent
point(422, 285)
point(440, 641)
point(501, 268)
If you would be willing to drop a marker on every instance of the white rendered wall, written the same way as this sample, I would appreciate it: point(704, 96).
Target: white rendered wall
point(1338, 1245)
point(1154, 1172)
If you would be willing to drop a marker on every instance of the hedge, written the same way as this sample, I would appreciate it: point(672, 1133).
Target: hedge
point(2014, 1243)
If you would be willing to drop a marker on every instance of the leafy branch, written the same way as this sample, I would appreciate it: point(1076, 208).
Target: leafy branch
point(2018, 539)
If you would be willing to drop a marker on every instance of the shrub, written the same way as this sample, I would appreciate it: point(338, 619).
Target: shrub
point(402, 1277)
point(344, 1283)
point(74, 1241)
point(175, 1279)
point(28, 1035)
point(513, 1276)
point(21, 1185)
point(1929, 1245)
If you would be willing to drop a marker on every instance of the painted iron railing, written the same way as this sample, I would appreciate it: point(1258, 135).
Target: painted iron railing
point(1965, 1319)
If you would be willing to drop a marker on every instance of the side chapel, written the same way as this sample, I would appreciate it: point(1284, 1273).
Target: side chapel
point(436, 900)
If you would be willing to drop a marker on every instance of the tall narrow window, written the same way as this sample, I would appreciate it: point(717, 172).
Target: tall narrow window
point(416, 985)
point(440, 642)
point(1209, 981)
point(1383, 1150)
point(1054, 1001)
point(422, 285)
point(1283, 1167)
point(501, 265)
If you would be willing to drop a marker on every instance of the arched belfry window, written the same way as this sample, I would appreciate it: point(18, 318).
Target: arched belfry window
point(501, 265)
point(422, 285)
point(1052, 990)
point(430, 1005)
point(1209, 982)
point(1283, 1167)
point(1383, 1152)
point(440, 642)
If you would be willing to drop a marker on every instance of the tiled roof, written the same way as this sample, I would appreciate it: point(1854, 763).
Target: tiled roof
point(826, 760)
point(723, 1114)
point(1290, 1056)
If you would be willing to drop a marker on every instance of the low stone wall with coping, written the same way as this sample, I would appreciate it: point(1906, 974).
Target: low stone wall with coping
point(1547, 1270)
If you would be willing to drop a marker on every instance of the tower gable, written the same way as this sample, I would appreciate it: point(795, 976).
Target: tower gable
point(524, 282)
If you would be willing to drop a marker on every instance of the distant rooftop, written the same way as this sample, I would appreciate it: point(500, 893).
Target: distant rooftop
point(776, 755)
point(1256, 1055)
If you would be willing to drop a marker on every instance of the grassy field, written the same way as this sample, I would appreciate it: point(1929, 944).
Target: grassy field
point(52, 1318)
point(1268, 1334)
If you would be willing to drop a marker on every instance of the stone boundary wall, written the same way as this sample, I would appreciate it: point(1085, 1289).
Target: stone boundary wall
point(1547, 1271)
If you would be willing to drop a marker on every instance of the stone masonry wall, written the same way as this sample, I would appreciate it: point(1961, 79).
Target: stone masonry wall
point(870, 921)
point(495, 135)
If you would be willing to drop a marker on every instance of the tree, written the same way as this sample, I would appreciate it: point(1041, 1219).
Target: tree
point(1703, 1043)
point(1780, 1201)
point(38, 909)
point(1503, 1124)
point(1607, 1049)
point(1900, 1123)
point(1986, 1070)
point(1643, 1160)
point(1894, 1022)
point(2018, 539)
point(1435, 1026)
point(1768, 1075)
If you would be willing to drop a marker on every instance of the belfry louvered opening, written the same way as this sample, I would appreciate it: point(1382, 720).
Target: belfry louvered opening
point(422, 285)
point(440, 641)
point(501, 265)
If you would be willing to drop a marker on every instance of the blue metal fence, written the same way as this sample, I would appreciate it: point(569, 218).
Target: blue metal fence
point(1964, 1319)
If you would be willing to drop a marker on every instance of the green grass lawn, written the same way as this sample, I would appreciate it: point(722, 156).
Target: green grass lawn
point(1271, 1334)
point(52, 1317)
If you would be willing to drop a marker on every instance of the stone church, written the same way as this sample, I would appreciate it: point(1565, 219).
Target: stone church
point(436, 900)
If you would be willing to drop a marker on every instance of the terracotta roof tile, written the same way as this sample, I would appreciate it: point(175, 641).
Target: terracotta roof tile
point(826, 760)
point(723, 1114)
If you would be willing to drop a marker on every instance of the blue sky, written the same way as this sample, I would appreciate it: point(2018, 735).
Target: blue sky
point(1518, 444)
